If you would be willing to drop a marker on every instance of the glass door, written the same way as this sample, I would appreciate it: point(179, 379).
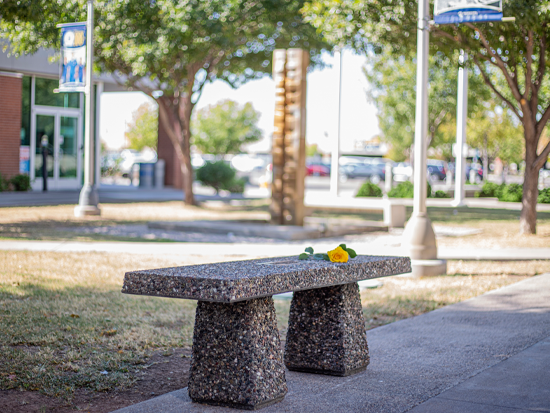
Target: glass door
point(64, 140)
point(67, 152)
point(45, 128)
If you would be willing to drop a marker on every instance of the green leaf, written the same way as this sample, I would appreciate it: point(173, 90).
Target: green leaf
point(303, 256)
point(343, 246)
point(352, 253)
point(310, 250)
point(325, 257)
point(318, 256)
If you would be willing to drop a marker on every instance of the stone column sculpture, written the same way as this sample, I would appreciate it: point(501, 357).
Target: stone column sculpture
point(289, 136)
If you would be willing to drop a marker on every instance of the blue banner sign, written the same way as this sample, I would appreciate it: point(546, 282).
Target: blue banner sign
point(463, 11)
point(73, 57)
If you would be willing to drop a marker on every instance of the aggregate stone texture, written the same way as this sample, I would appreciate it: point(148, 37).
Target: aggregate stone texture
point(326, 332)
point(237, 355)
point(228, 282)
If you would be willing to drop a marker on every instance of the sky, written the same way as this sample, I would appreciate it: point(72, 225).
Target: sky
point(358, 116)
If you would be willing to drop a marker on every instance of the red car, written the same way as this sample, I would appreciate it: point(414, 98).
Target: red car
point(316, 169)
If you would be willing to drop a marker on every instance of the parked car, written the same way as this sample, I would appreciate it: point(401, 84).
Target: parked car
point(317, 169)
point(372, 172)
point(437, 170)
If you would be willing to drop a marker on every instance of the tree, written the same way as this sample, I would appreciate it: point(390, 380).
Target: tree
point(392, 79)
point(225, 127)
point(170, 49)
point(497, 133)
point(517, 51)
point(143, 132)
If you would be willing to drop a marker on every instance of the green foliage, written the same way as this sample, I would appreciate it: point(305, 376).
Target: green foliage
point(488, 190)
point(369, 189)
point(225, 127)
point(143, 130)
point(510, 193)
point(217, 174)
point(406, 190)
point(235, 186)
point(441, 194)
point(21, 182)
point(544, 196)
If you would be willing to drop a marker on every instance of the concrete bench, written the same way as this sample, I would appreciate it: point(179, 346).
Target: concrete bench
point(394, 211)
point(237, 357)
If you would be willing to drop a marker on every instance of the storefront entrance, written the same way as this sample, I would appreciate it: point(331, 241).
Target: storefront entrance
point(63, 130)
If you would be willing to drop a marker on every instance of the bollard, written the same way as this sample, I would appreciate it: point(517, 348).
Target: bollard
point(388, 184)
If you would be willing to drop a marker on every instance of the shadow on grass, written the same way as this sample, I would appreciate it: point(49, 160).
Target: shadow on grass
point(57, 340)
point(54, 230)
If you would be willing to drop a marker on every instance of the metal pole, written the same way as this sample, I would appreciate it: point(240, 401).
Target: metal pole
point(419, 236)
point(461, 115)
point(89, 198)
point(334, 161)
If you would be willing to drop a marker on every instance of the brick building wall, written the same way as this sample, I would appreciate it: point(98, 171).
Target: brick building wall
point(165, 150)
point(10, 123)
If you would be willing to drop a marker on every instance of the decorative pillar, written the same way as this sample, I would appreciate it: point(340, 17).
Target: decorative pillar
point(289, 137)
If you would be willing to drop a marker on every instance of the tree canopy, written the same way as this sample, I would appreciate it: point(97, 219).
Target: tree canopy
point(225, 127)
point(170, 49)
point(392, 80)
point(517, 51)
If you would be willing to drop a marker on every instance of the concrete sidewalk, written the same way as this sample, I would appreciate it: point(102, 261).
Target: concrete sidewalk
point(266, 249)
point(488, 354)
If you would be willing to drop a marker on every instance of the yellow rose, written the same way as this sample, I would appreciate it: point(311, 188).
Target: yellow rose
point(338, 255)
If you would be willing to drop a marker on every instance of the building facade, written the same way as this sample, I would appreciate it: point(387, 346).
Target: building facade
point(32, 115)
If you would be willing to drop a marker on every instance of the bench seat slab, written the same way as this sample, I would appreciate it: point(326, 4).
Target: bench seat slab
point(326, 332)
point(237, 355)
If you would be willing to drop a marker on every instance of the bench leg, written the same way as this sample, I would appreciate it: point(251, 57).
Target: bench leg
point(237, 356)
point(326, 332)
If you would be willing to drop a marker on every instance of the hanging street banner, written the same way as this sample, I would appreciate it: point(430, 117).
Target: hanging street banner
point(467, 11)
point(73, 57)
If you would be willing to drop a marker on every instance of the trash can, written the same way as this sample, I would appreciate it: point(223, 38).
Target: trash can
point(159, 174)
point(146, 174)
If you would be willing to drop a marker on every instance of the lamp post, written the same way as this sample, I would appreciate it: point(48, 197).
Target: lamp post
point(335, 156)
point(419, 236)
point(89, 197)
point(461, 115)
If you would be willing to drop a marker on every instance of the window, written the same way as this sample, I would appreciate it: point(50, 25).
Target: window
point(43, 94)
point(26, 112)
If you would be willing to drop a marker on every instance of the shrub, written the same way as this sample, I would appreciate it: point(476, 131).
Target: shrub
point(544, 196)
point(236, 186)
point(21, 182)
point(406, 190)
point(216, 174)
point(489, 190)
point(441, 194)
point(510, 193)
point(369, 189)
point(4, 184)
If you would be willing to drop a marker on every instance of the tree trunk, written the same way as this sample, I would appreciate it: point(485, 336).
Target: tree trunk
point(178, 131)
point(528, 217)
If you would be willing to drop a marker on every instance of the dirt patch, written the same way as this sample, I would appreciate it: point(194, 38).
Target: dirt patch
point(165, 373)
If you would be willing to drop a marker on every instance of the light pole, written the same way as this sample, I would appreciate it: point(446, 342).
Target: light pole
point(335, 156)
point(461, 115)
point(419, 236)
point(89, 197)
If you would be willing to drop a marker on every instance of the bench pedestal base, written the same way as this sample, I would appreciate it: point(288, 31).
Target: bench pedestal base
point(237, 357)
point(326, 332)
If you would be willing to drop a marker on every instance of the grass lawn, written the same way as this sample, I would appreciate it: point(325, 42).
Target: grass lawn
point(65, 326)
